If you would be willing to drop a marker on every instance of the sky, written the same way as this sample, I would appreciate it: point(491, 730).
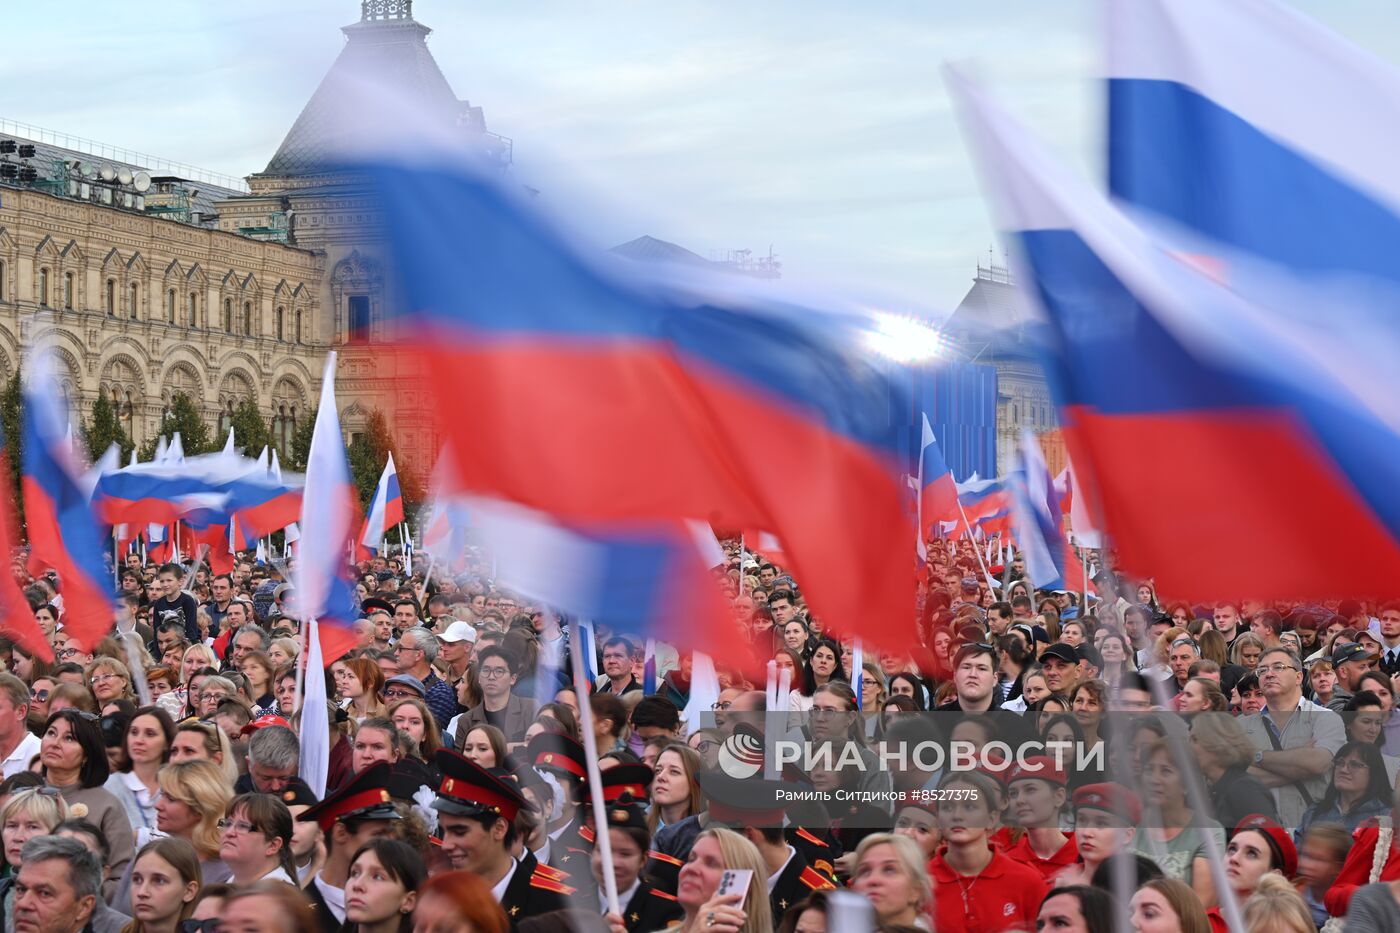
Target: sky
point(820, 129)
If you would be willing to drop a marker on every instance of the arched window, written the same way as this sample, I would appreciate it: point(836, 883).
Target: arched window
point(297, 334)
point(247, 319)
point(228, 318)
point(170, 306)
point(135, 299)
point(194, 309)
point(277, 323)
point(68, 290)
point(43, 288)
point(111, 298)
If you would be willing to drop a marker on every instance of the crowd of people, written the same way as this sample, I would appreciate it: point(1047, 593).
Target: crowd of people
point(1137, 763)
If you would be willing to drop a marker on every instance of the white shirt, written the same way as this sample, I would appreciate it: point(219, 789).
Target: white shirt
point(18, 759)
point(499, 891)
point(624, 898)
point(333, 896)
point(774, 876)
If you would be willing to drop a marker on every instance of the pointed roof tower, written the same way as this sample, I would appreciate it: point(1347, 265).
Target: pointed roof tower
point(389, 46)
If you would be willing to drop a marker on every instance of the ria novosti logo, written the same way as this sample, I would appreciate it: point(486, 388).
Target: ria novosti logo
point(741, 755)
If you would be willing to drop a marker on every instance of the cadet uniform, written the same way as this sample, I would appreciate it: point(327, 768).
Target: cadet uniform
point(365, 797)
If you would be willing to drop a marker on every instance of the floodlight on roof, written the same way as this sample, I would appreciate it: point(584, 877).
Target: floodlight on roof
point(26, 150)
point(7, 146)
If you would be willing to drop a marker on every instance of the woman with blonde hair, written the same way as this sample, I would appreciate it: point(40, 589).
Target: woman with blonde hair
point(716, 851)
point(1224, 753)
point(901, 896)
point(193, 797)
point(204, 741)
point(1277, 907)
point(1161, 901)
point(34, 811)
point(874, 690)
point(283, 651)
point(1246, 651)
point(109, 680)
point(675, 792)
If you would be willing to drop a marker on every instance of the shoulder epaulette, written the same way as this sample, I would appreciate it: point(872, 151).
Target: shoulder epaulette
point(663, 895)
point(810, 838)
point(550, 872)
point(663, 857)
point(815, 879)
point(585, 834)
point(826, 868)
point(548, 884)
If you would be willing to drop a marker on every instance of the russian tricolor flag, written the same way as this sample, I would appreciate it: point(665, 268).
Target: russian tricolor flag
point(321, 590)
point(64, 534)
point(600, 397)
point(1294, 445)
point(1037, 518)
point(385, 509)
point(1259, 132)
point(938, 493)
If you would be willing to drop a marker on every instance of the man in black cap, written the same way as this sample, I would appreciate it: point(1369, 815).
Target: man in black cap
point(563, 758)
point(755, 810)
point(477, 809)
point(381, 613)
point(357, 813)
point(1351, 662)
point(1060, 662)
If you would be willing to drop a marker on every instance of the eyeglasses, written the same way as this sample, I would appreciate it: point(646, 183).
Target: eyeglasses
point(68, 652)
point(401, 648)
point(103, 678)
point(491, 673)
point(241, 827)
point(40, 695)
point(1351, 764)
point(704, 746)
point(1275, 668)
point(396, 694)
point(721, 704)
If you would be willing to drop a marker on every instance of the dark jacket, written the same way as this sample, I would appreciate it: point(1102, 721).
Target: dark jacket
point(1237, 795)
point(516, 718)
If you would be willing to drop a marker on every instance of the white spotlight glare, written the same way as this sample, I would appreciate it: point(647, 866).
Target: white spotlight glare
point(905, 339)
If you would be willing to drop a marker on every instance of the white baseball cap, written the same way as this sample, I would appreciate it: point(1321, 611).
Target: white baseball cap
point(459, 631)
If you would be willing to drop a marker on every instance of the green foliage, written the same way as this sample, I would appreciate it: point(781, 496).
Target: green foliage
point(301, 445)
point(250, 431)
point(104, 430)
point(10, 415)
point(368, 452)
point(185, 418)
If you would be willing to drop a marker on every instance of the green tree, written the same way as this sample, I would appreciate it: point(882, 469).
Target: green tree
point(11, 406)
point(250, 431)
point(184, 417)
point(301, 445)
point(369, 451)
point(104, 430)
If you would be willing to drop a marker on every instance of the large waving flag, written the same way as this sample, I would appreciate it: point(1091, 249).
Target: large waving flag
point(938, 494)
point(1037, 518)
point(1259, 130)
point(64, 534)
point(652, 393)
point(1294, 446)
point(647, 580)
point(321, 590)
point(17, 621)
point(385, 509)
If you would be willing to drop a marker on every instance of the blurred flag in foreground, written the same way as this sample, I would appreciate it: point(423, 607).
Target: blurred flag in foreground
point(17, 621)
point(603, 398)
point(64, 534)
point(1294, 448)
point(1259, 131)
point(1037, 518)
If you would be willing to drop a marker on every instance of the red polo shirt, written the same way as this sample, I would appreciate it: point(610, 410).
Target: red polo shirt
point(1048, 867)
point(1005, 896)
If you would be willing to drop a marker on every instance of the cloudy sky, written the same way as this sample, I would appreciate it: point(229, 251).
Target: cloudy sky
point(819, 127)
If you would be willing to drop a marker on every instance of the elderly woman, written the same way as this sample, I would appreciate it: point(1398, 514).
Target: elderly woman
point(31, 812)
point(1224, 754)
point(73, 753)
point(109, 680)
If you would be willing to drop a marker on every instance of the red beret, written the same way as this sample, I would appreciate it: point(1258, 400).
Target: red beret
point(1278, 838)
point(1111, 798)
point(1041, 767)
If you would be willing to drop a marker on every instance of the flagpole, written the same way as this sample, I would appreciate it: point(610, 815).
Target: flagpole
point(595, 780)
point(302, 659)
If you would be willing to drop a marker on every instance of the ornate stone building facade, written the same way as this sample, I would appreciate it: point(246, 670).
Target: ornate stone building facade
point(219, 290)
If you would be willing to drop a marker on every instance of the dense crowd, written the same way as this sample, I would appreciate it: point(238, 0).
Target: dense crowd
point(1127, 762)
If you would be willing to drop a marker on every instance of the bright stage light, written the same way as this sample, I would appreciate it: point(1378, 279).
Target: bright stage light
point(906, 339)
